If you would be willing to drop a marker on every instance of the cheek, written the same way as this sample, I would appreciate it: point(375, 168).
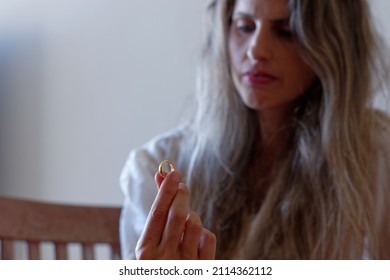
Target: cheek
point(232, 54)
point(300, 74)
point(306, 78)
point(233, 62)
point(236, 52)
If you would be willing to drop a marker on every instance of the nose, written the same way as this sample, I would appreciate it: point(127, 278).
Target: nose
point(260, 47)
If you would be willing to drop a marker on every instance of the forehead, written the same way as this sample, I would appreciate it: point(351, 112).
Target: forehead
point(262, 8)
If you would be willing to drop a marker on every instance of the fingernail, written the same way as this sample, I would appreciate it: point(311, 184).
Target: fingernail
point(176, 177)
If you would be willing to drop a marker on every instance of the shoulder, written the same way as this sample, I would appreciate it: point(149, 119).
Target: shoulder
point(143, 161)
point(169, 145)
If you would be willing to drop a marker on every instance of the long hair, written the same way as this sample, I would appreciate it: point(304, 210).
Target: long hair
point(321, 201)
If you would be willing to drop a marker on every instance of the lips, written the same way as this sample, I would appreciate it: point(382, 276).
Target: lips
point(260, 78)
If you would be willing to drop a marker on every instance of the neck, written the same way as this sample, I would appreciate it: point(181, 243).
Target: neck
point(276, 129)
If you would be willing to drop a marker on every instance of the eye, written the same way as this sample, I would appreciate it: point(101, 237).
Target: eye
point(284, 33)
point(246, 28)
point(244, 25)
point(281, 28)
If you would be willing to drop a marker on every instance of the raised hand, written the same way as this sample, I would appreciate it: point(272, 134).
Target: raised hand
point(172, 231)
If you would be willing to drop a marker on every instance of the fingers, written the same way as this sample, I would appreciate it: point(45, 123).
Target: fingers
point(171, 230)
point(207, 245)
point(192, 232)
point(176, 219)
point(159, 179)
point(158, 215)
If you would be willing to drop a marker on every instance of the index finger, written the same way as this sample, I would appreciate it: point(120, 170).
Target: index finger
point(159, 179)
point(158, 214)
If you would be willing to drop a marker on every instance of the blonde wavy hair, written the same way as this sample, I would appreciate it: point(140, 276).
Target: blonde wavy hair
point(323, 199)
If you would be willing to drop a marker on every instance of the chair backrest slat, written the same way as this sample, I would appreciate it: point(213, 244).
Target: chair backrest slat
point(7, 249)
point(61, 251)
point(33, 250)
point(88, 252)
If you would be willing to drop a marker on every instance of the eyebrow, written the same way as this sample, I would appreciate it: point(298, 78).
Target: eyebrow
point(277, 21)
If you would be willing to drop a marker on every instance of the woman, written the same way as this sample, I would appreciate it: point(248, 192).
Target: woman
point(286, 157)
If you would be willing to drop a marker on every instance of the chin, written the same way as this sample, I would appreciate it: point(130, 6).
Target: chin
point(255, 104)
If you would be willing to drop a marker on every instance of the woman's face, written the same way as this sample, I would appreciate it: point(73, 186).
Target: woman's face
point(267, 69)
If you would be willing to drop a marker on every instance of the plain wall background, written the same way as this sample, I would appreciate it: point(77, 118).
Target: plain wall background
point(84, 82)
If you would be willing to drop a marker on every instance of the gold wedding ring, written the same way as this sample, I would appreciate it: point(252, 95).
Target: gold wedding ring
point(160, 168)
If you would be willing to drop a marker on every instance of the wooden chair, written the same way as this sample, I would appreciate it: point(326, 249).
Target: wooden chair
point(37, 222)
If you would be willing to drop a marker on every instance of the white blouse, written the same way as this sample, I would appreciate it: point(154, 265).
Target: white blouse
point(138, 185)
